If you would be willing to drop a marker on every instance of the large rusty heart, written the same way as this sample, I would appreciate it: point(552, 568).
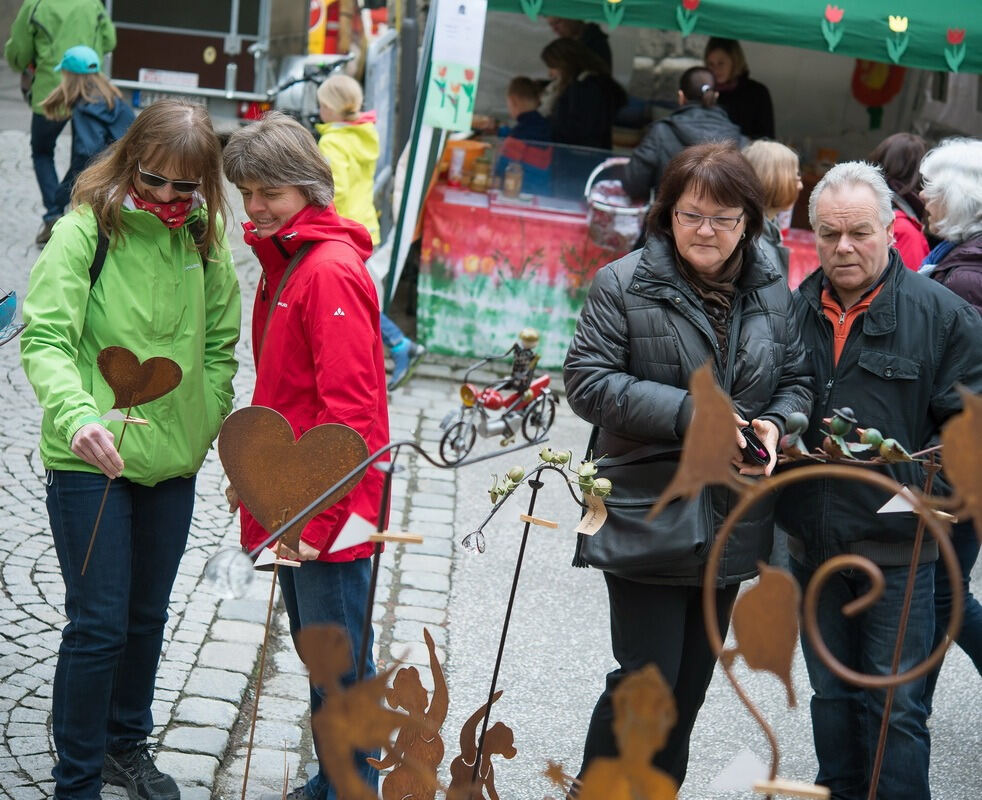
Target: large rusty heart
point(133, 383)
point(276, 476)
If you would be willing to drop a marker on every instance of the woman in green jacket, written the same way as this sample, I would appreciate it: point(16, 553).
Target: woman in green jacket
point(166, 287)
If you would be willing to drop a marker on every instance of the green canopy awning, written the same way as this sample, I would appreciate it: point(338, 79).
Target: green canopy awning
point(939, 35)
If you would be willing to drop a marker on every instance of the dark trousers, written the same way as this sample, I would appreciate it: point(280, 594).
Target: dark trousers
point(969, 639)
point(845, 718)
point(54, 193)
point(660, 625)
point(107, 661)
point(319, 592)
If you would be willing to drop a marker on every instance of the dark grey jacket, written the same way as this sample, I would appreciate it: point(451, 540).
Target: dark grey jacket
point(685, 126)
point(772, 246)
point(641, 335)
point(898, 372)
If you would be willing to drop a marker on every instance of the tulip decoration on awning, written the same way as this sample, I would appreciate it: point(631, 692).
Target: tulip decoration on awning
point(936, 36)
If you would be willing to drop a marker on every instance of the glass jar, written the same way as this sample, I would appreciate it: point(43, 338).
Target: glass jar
point(481, 178)
point(512, 184)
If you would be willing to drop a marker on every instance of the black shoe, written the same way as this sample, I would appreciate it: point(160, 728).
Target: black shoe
point(135, 771)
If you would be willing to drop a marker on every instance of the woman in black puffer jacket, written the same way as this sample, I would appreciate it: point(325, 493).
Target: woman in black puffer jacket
point(698, 291)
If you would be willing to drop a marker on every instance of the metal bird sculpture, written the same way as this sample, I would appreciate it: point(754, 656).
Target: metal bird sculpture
point(792, 444)
point(709, 447)
point(893, 452)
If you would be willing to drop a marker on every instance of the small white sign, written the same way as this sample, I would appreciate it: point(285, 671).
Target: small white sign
point(355, 531)
point(901, 502)
point(740, 774)
point(168, 77)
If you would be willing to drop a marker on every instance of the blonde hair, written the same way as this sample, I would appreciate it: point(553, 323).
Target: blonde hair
point(343, 94)
point(777, 167)
point(278, 151)
point(177, 133)
point(74, 87)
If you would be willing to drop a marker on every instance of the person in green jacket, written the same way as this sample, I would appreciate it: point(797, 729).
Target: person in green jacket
point(349, 142)
point(167, 287)
point(42, 31)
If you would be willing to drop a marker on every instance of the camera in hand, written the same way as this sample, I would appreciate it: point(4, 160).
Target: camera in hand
point(754, 452)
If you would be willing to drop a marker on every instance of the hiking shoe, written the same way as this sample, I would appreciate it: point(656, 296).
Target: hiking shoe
point(135, 771)
point(405, 356)
point(44, 233)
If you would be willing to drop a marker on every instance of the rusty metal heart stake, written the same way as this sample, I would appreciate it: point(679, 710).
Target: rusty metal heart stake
point(277, 476)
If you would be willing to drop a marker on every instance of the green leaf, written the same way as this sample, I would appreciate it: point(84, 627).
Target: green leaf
point(954, 56)
point(614, 13)
point(686, 20)
point(532, 8)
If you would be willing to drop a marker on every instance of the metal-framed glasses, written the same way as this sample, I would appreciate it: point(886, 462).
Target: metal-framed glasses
point(690, 219)
point(156, 181)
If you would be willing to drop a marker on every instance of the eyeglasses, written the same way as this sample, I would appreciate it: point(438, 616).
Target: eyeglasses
point(156, 181)
point(689, 219)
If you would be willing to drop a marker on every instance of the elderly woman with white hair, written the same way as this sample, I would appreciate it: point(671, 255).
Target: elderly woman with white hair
point(952, 195)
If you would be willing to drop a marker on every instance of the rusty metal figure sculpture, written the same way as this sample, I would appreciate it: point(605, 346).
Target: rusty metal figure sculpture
point(349, 719)
point(472, 772)
point(704, 461)
point(962, 441)
point(644, 714)
point(134, 383)
point(414, 774)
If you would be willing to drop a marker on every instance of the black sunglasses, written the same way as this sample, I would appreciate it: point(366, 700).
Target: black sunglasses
point(156, 181)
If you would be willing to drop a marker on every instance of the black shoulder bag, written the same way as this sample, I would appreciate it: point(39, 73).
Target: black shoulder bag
point(675, 542)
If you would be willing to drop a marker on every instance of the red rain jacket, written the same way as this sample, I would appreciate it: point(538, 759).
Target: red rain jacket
point(322, 359)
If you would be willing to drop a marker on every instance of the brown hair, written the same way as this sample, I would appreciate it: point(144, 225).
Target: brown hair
point(570, 57)
point(732, 48)
point(523, 88)
point(900, 156)
point(176, 132)
point(777, 167)
point(75, 86)
point(276, 150)
point(718, 171)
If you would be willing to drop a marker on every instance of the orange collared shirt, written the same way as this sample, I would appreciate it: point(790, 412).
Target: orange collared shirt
point(842, 320)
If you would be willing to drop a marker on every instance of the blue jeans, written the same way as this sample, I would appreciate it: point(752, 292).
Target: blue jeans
point(969, 639)
point(54, 193)
point(845, 718)
point(391, 333)
point(319, 592)
point(107, 662)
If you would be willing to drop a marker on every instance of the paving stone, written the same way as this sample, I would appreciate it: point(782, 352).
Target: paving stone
point(430, 581)
point(204, 711)
point(216, 684)
point(188, 768)
point(209, 741)
point(229, 656)
point(236, 631)
point(418, 597)
point(421, 563)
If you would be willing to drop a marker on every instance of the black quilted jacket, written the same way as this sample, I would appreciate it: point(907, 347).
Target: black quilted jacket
point(641, 335)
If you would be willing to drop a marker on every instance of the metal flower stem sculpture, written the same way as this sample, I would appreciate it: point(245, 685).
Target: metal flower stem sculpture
point(550, 462)
point(133, 383)
point(706, 454)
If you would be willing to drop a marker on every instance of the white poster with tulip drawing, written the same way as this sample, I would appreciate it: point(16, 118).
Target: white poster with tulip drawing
point(456, 64)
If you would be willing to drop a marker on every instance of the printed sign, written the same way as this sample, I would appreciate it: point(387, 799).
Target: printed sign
point(456, 63)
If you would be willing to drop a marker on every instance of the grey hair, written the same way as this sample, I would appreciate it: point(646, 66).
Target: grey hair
point(854, 173)
point(952, 175)
point(278, 151)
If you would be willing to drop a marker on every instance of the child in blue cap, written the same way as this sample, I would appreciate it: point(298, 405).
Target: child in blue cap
point(97, 110)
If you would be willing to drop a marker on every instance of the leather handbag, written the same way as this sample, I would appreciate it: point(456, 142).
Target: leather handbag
point(673, 544)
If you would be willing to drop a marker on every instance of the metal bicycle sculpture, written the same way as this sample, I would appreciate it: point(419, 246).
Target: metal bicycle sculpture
point(767, 642)
point(501, 409)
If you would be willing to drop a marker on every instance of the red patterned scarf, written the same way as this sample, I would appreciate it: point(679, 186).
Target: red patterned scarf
point(173, 215)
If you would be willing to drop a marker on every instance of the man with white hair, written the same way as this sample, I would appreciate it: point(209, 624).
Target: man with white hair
point(889, 346)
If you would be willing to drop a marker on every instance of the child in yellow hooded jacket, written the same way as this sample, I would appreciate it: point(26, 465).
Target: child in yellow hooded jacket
point(349, 142)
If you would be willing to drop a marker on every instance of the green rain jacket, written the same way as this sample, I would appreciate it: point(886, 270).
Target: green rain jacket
point(152, 297)
point(44, 29)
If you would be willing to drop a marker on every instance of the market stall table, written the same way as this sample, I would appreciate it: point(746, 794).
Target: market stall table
point(491, 265)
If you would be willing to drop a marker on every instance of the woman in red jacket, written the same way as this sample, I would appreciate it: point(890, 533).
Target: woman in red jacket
point(318, 355)
point(900, 156)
